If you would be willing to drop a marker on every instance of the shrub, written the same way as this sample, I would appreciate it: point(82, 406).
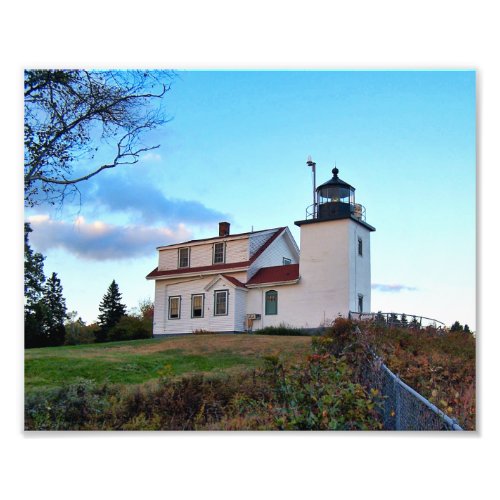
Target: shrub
point(320, 395)
point(130, 328)
point(73, 407)
point(78, 333)
point(201, 331)
point(282, 329)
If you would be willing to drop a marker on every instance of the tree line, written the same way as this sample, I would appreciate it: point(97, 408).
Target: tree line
point(47, 321)
point(71, 117)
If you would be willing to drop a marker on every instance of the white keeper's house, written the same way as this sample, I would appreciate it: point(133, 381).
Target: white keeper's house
point(248, 281)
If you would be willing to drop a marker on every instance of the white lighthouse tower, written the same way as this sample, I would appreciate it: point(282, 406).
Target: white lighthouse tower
point(335, 253)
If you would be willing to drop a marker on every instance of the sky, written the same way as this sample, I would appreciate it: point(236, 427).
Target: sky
point(235, 149)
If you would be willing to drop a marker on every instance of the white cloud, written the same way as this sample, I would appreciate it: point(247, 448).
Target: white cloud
point(392, 288)
point(151, 156)
point(98, 240)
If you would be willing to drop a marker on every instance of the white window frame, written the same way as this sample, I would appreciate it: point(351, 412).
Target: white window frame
point(179, 257)
point(226, 294)
point(202, 295)
point(178, 298)
point(223, 253)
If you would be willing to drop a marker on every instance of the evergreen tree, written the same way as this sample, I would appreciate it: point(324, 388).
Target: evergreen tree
point(379, 318)
point(33, 272)
point(404, 320)
point(456, 327)
point(414, 323)
point(55, 311)
point(111, 309)
point(467, 329)
point(34, 278)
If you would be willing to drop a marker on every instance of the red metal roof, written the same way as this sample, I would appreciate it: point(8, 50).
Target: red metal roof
point(189, 270)
point(275, 274)
point(217, 267)
point(234, 281)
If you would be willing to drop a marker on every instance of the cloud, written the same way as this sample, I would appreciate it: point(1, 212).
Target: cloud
point(100, 241)
point(147, 203)
point(151, 156)
point(392, 288)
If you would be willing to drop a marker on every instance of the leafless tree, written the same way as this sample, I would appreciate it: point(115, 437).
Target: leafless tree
point(71, 114)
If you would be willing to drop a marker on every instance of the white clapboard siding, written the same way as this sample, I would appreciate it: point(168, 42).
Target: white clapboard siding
point(231, 322)
point(273, 255)
point(240, 310)
point(202, 254)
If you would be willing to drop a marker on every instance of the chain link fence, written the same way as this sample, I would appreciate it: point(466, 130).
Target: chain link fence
point(404, 409)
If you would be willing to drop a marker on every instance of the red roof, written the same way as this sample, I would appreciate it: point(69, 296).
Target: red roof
point(234, 281)
point(218, 267)
point(275, 274)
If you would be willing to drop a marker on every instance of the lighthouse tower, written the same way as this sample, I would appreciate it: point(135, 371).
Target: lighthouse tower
point(335, 253)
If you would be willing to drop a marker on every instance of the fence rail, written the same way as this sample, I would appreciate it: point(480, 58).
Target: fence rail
point(397, 319)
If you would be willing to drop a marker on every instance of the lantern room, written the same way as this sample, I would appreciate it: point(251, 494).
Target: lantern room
point(335, 198)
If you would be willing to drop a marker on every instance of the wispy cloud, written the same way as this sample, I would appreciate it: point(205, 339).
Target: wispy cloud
point(151, 156)
point(148, 204)
point(392, 288)
point(100, 241)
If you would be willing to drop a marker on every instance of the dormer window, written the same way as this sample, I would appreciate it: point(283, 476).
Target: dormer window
point(219, 253)
point(183, 257)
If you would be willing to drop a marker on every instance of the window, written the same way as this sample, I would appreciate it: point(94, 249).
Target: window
point(174, 308)
point(286, 261)
point(219, 253)
point(360, 303)
point(220, 306)
point(272, 302)
point(197, 305)
point(360, 246)
point(183, 257)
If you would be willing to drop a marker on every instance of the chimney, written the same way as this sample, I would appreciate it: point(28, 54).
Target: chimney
point(224, 228)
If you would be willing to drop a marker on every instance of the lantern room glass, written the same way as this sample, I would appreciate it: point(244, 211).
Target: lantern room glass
point(336, 194)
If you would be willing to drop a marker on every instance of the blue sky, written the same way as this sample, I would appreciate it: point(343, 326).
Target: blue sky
point(236, 150)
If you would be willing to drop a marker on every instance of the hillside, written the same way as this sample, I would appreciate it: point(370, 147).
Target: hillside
point(138, 361)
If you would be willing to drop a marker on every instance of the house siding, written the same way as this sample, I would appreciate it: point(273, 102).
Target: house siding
point(273, 256)
point(185, 289)
point(201, 255)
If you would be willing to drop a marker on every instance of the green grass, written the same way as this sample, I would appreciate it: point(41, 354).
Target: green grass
point(137, 361)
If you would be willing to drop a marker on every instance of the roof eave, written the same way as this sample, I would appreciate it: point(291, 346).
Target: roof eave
point(273, 283)
point(196, 273)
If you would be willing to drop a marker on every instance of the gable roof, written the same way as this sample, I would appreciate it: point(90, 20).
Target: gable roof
point(234, 281)
point(275, 274)
point(219, 267)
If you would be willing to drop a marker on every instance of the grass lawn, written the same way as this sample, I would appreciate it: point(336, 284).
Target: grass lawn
point(137, 361)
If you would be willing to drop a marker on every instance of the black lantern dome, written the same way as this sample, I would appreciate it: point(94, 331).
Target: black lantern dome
point(335, 198)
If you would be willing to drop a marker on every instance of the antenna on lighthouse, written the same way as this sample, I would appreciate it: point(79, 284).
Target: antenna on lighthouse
point(312, 164)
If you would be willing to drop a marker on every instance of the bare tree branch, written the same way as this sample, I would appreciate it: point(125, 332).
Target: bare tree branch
point(64, 109)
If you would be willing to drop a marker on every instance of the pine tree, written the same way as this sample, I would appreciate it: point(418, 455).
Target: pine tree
point(34, 279)
point(55, 311)
point(111, 309)
point(456, 327)
point(404, 320)
point(33, 272)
